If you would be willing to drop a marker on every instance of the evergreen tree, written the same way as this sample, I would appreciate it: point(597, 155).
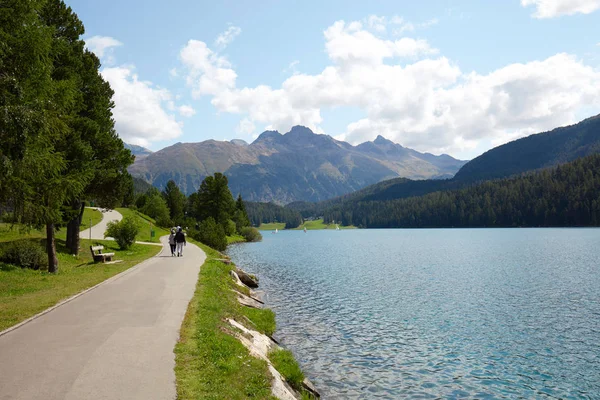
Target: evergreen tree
point(240, 216)
point(215, 200)
point(175, 201)
point(567, 195)
point(56, 138)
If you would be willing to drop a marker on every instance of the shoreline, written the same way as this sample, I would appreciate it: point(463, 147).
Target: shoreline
point(226, 348)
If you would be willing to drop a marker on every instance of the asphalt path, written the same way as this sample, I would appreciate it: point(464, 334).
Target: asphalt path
point(113, 342)
point(99, 229)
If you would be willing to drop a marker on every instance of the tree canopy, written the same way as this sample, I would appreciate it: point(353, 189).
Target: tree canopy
point(57, 138)
point(215, 200)
point(567, 195)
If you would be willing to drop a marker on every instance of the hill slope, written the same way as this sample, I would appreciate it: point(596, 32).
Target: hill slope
point(534, 152)
point(566, 195)
point(541, 150)
point(299, 165)
point(138, 151)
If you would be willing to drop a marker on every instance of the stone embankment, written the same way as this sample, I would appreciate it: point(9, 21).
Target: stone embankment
point(258, 344)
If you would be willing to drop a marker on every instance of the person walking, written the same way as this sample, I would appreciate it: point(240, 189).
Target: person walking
point(172, 242)
point(180, 241)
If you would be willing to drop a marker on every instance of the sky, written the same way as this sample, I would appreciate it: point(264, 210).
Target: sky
point(440, 76)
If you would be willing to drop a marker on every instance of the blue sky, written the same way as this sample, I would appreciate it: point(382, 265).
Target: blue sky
point(457, 77)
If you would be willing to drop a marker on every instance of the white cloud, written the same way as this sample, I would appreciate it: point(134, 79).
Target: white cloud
point(556, 8)
point(246, 127)
point(139, 114)
point(351, 43)
point(208, 73)
point(173, 72)
point(380, 24)
point(228, 36)
point(103, 46)
point(186, 111)
point(405, 94)
point(376, 23)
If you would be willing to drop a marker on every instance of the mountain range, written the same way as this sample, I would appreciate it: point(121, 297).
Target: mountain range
point(138, 151)
point(297, 166)
point(531, 153)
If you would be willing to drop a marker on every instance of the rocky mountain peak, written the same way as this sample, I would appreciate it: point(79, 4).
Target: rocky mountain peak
point(268, 136)
point(239, 142)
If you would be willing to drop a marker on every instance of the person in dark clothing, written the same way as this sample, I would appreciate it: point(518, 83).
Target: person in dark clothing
point(180, 241)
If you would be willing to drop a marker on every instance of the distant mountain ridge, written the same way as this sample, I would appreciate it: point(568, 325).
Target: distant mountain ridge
point(535, 152)
point(298, 165)
point(138, 151)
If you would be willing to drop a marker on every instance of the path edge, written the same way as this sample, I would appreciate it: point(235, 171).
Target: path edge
point(69, 299)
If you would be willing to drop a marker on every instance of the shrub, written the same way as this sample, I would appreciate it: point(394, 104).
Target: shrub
point(8, 217)
point(24, 253)
point(211, 234)
point(123, 231)
point(229, 227)
point(284, 362)
point(251, 234)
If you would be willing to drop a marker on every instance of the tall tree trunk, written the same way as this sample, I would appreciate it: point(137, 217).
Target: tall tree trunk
point(51, 248)
point(73, 228)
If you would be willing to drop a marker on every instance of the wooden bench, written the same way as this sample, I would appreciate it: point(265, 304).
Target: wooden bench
point(98, 255)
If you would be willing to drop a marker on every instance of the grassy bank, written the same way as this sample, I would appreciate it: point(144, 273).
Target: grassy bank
point(146, 225)
point(210, 363)
point(89, 213)
point(309, 225)
point(235, 239)
point(272, 226)
point(10, 232)
point(320, 224)
point(26, 292)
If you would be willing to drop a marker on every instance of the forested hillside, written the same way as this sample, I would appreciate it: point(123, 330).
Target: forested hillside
point(524, 155)
point(534, 152)
point(263, 213)
point(567, 195)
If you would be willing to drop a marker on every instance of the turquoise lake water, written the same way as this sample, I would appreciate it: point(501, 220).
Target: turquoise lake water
point(440, 313)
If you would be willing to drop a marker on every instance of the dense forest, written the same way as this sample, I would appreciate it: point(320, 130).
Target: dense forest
point(567, 195)
point(528, 154)
point(538, 151)
point(264, 213)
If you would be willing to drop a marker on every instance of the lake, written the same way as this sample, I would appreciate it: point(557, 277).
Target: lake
point(487, 313)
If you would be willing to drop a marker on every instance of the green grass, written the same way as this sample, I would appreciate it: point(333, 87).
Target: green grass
point(235, 239)
point(272, 226)
point(310, 225)
point(10, 232)
point(284, 362)
point(95, 215)
point(209, 362)
point(263, 320)
point(25, 292)
point(319, 224)
point(314, 225)
point(144, 222)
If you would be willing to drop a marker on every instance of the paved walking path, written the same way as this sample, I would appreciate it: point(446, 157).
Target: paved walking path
point(99, 229)
point(113, 342)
